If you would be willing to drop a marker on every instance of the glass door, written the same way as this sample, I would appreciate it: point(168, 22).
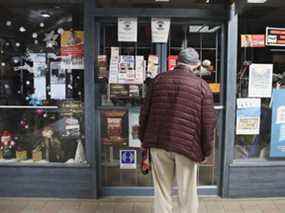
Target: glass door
point(120, 101)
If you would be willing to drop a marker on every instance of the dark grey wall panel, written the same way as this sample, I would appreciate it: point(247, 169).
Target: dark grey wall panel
point(257, 181)
point(45, 182)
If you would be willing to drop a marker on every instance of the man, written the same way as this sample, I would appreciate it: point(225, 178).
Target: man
point(177, 123)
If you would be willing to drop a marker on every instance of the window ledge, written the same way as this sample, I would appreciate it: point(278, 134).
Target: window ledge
point(257, 163)
point(49, 165)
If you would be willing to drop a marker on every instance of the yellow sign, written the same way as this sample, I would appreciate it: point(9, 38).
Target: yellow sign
point(215, 87)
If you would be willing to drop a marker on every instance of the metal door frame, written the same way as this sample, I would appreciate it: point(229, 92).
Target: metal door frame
point(219, 15)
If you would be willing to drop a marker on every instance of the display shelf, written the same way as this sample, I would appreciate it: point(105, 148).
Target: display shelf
point(49, 164)
point(137, 108)
point(116, 163)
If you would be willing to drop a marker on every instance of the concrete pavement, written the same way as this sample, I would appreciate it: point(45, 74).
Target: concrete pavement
point(135, 205)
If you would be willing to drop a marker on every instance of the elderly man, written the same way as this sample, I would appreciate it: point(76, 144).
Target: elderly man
point(177, 124)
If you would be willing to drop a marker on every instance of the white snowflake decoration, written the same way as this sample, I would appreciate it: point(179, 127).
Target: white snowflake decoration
point(50, 39)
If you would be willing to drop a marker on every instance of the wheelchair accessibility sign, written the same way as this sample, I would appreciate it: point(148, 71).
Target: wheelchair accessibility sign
point(128, 159)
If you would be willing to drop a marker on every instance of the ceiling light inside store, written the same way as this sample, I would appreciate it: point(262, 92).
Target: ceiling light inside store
point(256, 1)
point(35, 35)
point(203, 29)
point(45, 15)
point(8, 23)
point(22, 29)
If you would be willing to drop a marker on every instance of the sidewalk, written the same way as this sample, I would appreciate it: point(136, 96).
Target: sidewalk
point(135, 205)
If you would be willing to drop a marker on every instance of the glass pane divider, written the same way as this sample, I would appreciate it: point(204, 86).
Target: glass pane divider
point(27, 107)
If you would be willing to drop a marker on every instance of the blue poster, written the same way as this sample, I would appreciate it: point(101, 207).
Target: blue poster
point(128, 159)
point(277, 149)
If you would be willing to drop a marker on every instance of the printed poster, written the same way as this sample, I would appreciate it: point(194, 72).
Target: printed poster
point(128, 159)
point(72, 63)
point(140, 69)
point(152, 66)
point(39, 70)
point(260, 80)
point(248, 116)
point(253, 41)
point(277, 148)
point(275, 36)
point(57, 81)
point(72, 43)
point(127, 29)
point(172, 59)
point(126, 69)
point(160, 30)
point(102, 66)
point(134, 140)
point(114, 65)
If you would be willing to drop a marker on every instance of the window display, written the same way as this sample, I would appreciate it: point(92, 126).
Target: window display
point(41, 86)
point(124, 70)
point(260, 76)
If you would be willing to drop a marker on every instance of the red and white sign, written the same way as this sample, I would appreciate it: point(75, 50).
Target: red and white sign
point(275, 36)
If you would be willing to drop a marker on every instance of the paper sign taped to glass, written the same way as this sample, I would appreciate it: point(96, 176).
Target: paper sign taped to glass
point(128, 159)
point(134, 140)
point(277, 149)
point(260, 80)
point(248, 116)
point(160, 29)
point(152, 66)
point(127, 29)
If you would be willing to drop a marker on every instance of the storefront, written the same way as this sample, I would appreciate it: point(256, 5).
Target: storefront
point(118, 96)
point(69, 120)
point(69, 129)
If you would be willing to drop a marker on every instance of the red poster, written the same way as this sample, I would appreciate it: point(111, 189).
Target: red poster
point(172, 62)
point(72, 43)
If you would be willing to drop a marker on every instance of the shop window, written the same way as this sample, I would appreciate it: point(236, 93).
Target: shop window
point(260, 99)
point(42, 85)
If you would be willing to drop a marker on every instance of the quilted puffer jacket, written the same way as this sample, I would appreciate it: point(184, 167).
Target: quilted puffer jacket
point(178, 115)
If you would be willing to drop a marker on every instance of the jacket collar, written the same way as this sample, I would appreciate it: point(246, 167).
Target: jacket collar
point(184, 67)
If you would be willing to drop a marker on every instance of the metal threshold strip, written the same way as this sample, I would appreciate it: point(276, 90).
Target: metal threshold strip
point(203, 191)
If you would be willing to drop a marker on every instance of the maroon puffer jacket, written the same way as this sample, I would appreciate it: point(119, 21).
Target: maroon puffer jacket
point(178, 115)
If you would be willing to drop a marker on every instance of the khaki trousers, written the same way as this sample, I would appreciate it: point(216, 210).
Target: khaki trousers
point(165, 166)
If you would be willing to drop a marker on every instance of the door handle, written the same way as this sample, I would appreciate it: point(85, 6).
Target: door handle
point(219, 107)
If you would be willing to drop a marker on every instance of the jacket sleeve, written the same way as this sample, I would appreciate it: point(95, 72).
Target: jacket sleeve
point(144, 113)
point(208, 122)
